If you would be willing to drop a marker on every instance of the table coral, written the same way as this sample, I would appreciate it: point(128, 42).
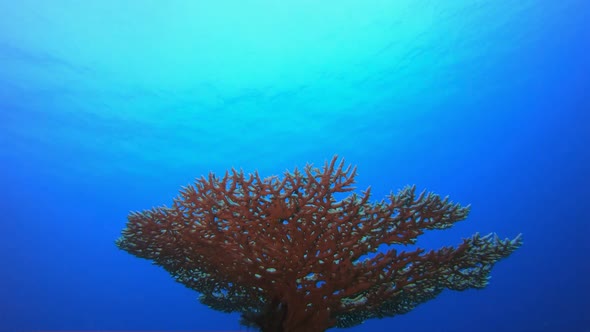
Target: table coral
point(300, 253)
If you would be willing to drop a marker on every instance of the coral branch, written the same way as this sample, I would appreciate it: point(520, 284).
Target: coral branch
point(287, 253)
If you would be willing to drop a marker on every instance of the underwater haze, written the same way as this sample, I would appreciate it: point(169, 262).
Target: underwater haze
point(108, 107)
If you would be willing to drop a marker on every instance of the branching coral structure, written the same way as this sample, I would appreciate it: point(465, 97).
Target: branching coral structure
point(301, 252)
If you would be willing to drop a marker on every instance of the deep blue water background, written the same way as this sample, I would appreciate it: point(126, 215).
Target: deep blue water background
point(108, 107)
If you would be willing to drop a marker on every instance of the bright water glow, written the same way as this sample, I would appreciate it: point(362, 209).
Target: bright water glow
point(171, 81)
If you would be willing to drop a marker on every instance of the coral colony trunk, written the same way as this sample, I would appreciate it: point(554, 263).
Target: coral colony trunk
point(291, 256)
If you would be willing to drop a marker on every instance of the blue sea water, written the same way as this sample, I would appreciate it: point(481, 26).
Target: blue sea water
point(108, 107)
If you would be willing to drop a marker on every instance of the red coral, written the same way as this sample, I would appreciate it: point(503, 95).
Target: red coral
point(292, 256)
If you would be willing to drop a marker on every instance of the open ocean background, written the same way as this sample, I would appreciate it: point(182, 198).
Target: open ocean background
point(111, 106)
